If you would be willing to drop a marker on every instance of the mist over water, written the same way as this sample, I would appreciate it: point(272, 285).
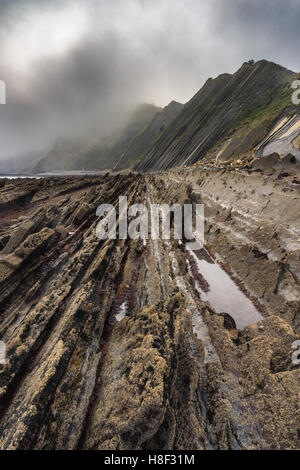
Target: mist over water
point(76, 69)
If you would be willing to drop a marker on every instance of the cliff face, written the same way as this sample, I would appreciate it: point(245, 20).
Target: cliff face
point(226, 118)
point(142, 142)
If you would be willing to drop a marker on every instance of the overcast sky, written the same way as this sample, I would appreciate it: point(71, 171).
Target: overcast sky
point(74, 66)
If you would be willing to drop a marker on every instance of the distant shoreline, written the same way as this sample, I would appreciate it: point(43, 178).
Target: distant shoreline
point(53, 173)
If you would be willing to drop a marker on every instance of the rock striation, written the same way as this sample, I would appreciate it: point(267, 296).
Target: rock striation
point(110, 344)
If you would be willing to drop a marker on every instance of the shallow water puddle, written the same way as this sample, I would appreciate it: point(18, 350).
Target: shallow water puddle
point(200, 329)
point(221, 292)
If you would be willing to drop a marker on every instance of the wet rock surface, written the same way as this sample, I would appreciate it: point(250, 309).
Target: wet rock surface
point(115, 344)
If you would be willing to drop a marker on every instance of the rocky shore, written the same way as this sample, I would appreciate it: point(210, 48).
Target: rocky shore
point(120, 344)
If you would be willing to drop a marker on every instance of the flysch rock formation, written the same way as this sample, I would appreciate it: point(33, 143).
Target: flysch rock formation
point(284, 139)
point(143, 344)
point(228, 118)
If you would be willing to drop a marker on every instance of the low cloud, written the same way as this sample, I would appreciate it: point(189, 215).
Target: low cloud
point(74, 68)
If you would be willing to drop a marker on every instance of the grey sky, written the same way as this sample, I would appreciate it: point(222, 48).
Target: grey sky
point(73, 66)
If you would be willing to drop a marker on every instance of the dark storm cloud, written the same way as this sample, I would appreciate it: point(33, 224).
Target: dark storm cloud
point(266, 29)
point(76, 67)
